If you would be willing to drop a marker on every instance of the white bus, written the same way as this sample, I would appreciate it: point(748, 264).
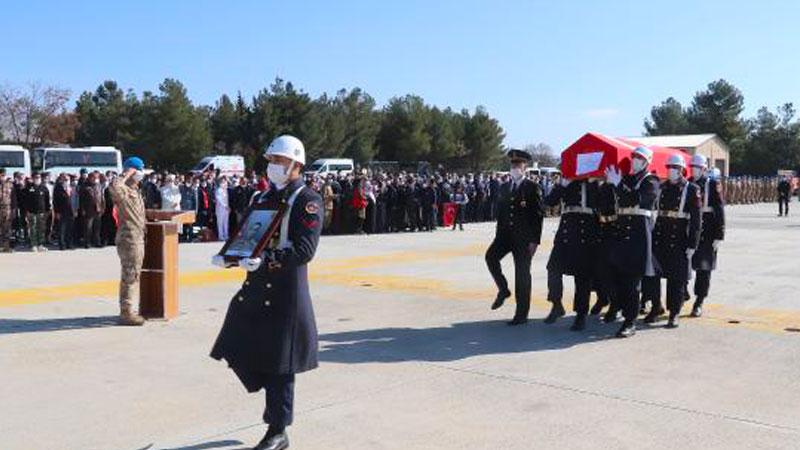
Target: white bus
point(15, 158)
point(58, 160)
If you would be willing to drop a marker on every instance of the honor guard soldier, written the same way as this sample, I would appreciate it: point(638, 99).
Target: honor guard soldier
point(573, 248)
point(270, 333)
point(519, 231)
point(630, 250)
point(704, 260)
point(675, 239)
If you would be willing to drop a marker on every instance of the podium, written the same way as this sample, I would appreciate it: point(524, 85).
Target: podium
point(158, 288)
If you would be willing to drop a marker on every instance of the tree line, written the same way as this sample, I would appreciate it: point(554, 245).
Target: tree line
point(170, 132)
point(759, 145)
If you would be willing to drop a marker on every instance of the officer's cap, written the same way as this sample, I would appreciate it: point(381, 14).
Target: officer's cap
point(516, 154)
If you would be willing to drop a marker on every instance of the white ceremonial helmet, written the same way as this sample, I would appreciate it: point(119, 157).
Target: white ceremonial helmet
point(676, 161)
point(645, 153)
point(289, 147)
point(699, 161)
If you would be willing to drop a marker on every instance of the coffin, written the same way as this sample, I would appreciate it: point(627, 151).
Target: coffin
point(593, 152)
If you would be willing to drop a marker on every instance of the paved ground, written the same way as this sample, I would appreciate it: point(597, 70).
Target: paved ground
point(411, 356)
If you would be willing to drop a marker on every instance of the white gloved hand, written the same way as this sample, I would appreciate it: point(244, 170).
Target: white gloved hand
point(689, 253)
point(715, 244)
point(250, 264)
point(219, 261)
point(565, 181)
point(613, 175)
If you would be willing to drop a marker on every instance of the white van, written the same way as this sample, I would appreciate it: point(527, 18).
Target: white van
point(15, 158)
point(322, 167)
point(58, 160)
point(228, 165)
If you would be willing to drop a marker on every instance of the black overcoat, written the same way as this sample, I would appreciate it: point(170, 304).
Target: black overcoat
point(630, 249)
point(673, 236)
point(713, 223)
point(575, 243)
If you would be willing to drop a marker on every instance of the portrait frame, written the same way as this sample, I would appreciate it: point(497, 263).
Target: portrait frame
point(259, 226)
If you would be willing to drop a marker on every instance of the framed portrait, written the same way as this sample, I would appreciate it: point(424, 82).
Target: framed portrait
point(257, 229)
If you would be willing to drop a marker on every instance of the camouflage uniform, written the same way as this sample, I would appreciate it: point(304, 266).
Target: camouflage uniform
point(6, 216)
point(129, 240)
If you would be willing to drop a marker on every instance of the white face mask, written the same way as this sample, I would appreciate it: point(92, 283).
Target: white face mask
point(639, 165)
point(516, 173)
point(674, 174)
point(278, 175)
point(697, 173)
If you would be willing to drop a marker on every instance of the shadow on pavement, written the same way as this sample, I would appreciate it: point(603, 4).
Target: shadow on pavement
point(15, 326)
point(455, 342)
point(208, 445)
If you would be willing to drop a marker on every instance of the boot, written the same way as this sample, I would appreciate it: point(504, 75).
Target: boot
point(556, 311)
point(654, 314)
point(500, 299)
point(579, 324)
point(627, 330)
point(128, 318)
point(673, 320)
point(697, 309)
point(273, 441)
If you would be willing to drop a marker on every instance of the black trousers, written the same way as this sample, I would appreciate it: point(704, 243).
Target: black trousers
point(279, 409)
point(459, 217)
point(676, 293)
point(583, 291)
point(783, 205)
point(500, 247)
point(702, 283)
point(91, 231)
point(626, 293)
point(65, 224)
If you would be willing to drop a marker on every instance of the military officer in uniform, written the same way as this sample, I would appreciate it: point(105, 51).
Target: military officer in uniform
point(130, 237)
point(270, 333)
point(704, 260)
point(573, 247)
point(675, 239)
point(519, 231)
point(8, 205)
point(630, 249)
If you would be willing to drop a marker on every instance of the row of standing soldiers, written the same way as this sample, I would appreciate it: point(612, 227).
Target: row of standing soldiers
point(748, 190)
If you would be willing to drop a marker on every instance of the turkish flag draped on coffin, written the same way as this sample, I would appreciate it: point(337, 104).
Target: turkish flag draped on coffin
point(593, 152)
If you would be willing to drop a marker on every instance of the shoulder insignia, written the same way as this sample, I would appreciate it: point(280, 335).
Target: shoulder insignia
point(312, 208)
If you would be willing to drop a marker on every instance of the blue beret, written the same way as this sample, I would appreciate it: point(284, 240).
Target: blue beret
point(135, 162)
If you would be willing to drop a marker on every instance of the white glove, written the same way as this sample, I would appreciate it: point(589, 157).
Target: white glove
point(613, 175)
point(250, 264)
point(565, 181)
point(715, 244)
point(219, 261)
point(689, 253)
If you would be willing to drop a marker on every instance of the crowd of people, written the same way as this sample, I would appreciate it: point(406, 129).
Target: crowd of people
point(40, 212)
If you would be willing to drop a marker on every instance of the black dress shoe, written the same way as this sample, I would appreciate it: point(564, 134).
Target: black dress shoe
point(610, 316)
point(517, 321)
point(500, 299)
point(673, 321)
point(654, 314)
point(627, 330)
point(278, 441)
point(556, 311)
point(579, 324)
point(697, 311)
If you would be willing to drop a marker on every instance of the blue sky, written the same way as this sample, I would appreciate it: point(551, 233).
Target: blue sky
point(548, 70)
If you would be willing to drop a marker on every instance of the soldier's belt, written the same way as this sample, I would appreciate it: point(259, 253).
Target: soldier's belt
point(577, 210)
point(607, 219)
point(634, 212)
point(707, 209)
point(673, 214)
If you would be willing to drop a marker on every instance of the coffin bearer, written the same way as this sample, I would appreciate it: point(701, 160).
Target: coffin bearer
point(573, 247)
point(130, 236)
point(269, 333)
point(630, 250)
point(519, 230)
point(675, 239)
point(704, 260)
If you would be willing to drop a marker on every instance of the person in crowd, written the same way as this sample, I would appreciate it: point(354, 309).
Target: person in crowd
point(8, 206)
point(65, 212)
point(92, 206)
point(36, 204)
point(108, 222)
point(189, 190)
point(460, 200)
point(222, 208)
point(170, 194)
point(784, 194)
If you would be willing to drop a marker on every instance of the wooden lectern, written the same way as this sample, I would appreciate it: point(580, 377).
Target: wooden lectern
point(158, 290)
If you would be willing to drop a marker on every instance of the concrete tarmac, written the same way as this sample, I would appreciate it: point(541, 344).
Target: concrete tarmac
point(411, 356)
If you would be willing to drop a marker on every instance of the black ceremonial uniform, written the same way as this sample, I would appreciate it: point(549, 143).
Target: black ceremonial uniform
point(270, 333)
point(519, 224)
point(630, 248)
point(677, 230)
point(713, 229)
point(574, 245)
point(603, 281)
